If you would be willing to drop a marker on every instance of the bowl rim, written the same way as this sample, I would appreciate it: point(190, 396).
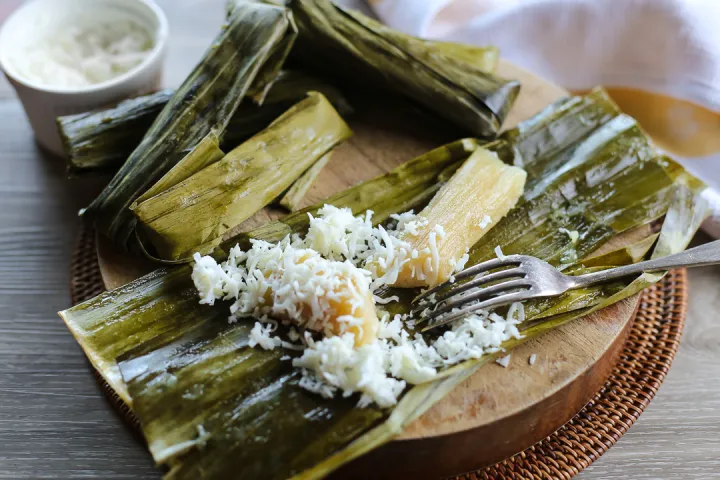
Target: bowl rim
point(161, 33)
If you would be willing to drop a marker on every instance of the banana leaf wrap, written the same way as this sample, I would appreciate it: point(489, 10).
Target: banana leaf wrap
point(292, 199)
point(245, 57)
point(177, 360)
point(211, 193)
point(100, 141)
point(205, 153)
point(453, 81)
point(106, 332)
point(290, 86)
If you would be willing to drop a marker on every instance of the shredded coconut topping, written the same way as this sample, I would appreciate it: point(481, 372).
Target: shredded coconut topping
point(286, 282)
point(574, 235)
point(485, 222)
point(504, 361)
point(398, 356)
point(340, 262)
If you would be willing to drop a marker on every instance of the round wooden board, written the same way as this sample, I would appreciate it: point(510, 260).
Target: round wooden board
point(498, 411)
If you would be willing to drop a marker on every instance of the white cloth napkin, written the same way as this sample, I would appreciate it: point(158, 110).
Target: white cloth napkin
point(670, 47)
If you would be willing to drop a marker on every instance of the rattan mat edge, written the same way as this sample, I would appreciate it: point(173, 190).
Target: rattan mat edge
point(645, 360)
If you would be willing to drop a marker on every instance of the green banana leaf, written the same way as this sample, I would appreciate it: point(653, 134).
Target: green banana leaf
point(292, 199)
point(101, 141)
point(205, 153)
point(173, 359)
point(290, 86)
point(106, 332)
point(245, 57)
point(197, 206)
point(632, 253)
point(453, 81)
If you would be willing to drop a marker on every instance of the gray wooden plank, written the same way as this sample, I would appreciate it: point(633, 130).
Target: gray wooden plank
point(54, 420)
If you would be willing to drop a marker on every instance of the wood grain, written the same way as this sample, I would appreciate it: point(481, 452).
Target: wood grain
point(55, 422)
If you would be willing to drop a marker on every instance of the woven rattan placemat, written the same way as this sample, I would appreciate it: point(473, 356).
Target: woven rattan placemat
point(644, 362)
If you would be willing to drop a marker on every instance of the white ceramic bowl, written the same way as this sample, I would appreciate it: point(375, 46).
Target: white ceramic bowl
point(44, 103)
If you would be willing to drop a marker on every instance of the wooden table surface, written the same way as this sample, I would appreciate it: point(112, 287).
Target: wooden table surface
point(54, 420)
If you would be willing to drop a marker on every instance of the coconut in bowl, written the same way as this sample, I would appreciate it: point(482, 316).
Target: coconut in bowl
point(72, 56)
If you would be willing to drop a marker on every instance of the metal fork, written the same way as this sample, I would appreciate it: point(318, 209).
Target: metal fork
point(531, 278)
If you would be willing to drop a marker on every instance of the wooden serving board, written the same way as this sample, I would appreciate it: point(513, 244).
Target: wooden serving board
point(498, 411)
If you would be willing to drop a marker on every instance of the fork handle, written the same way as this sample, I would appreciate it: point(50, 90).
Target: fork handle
point(707, 254)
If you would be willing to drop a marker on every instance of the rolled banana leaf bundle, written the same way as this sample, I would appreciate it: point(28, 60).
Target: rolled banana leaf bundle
point(212, 407)
point(209, 192)
point(289, 87)
point(101, 141)
point(244, 59)
point(453, 81)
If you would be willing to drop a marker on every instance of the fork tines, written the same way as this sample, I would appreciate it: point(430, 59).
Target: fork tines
point(470, 296)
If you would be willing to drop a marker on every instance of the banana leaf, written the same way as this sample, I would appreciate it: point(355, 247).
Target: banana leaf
point(245, 57)
point(209, 193)
point(632, 253)
point(174, 360)
point(289, 87)
point(453, 81)
point(106, 332)
point(292, 85)
point(205, 153)
point(292, 199)
point(100, 141)
point(218, 453)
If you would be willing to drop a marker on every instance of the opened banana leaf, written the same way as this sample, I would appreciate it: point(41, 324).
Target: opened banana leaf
point(106, 332)
point(212, 407)
point(631, 253)
point(100, 142)
point(209, 193)
point(244, 59)
point(453, 81)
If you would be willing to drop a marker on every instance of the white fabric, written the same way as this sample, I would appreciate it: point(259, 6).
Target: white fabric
point(670, 47)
